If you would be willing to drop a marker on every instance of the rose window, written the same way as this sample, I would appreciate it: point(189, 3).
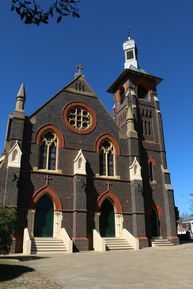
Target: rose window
point(79, 118)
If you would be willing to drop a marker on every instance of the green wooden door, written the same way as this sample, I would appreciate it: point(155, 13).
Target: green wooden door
point(107, 220)
point(43, 225)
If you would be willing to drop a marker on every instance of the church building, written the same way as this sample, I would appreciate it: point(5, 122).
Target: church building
point(83, 179)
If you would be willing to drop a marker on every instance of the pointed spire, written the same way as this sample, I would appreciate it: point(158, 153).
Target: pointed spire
point(131, 132)
point(20, 99)
point(21, 92)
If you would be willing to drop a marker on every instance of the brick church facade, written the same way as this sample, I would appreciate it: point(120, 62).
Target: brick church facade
point(72, 166)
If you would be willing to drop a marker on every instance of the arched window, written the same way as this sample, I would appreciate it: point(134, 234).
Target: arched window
point(122, 94)
point(106, 160)
point(142, 92)
point(48, 151)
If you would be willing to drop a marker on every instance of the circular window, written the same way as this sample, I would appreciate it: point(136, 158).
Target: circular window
point(79, 117)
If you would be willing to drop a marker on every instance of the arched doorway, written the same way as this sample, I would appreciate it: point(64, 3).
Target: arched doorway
point(44, 215)
point(155, 223)
point(107, 219)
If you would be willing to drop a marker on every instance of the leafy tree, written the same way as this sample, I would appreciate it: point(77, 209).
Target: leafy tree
point(7, 226)
point(32, 12)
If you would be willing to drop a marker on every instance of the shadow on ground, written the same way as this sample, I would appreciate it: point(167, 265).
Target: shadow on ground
point(12, 271)
point(21, 258)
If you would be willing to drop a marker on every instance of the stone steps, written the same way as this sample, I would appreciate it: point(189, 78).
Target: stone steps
point(161, 242)
point(47, 245)
point(117, 244)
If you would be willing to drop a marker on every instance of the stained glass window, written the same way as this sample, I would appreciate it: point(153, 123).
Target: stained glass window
point(48, 151)
point(106, 158)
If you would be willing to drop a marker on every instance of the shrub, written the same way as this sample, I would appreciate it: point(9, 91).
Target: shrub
point(7, 226)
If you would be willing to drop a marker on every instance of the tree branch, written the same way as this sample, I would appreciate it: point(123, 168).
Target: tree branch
point(32, 13)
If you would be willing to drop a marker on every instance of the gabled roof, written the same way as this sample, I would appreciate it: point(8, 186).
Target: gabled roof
point(132, 71)
point(78, 86)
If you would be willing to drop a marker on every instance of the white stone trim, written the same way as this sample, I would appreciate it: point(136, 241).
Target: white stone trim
point(2, 158)
point(135, 170)
point(168, 187)
point(165, 171)
point(63, 235)
point(118, 224)
point(96, 221)
point(30, 221)
point(14, 156)
point(26, 242)
point(57, 223)
point(107, 177)
point(47, 171)
point(80, 164)
point(134, 242)
point(98, 242)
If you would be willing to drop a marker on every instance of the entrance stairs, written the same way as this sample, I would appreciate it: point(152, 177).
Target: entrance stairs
point(160, 242)
point(114, 243)
point(42, 245)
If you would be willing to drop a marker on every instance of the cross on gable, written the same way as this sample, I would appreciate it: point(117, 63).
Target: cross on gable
point(48, 179)
point(109, 185)
point(80, 68)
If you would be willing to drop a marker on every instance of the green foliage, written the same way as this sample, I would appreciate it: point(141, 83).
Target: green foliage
point(33, 13)
point(7, 226)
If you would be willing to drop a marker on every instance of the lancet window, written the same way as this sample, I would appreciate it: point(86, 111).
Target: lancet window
point(107, 158)
point(48, 151)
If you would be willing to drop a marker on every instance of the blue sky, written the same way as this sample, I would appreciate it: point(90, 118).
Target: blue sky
point(44, 58)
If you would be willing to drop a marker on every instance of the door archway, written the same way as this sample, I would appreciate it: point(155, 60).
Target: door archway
point(107, 219)
point(44, 216)
point(155, 223)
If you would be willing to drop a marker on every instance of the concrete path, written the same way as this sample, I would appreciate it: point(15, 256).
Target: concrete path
point(150, 268)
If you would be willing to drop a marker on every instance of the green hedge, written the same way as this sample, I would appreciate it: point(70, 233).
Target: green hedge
point(7, 226)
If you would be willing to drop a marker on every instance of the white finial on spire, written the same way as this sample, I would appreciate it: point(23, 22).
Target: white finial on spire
point(130, 51)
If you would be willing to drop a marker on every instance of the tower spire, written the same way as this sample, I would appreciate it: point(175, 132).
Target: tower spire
point(20, 99)
point(130, 51)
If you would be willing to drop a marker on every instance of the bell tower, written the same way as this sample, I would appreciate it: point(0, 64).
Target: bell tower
point(137, 114)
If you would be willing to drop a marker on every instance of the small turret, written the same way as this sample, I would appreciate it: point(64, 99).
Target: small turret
point(20, 101)
point(131, 132)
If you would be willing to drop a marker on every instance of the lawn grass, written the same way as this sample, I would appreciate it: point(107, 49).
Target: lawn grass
point(15, 275)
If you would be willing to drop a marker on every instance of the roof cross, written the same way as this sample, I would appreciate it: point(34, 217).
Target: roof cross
point(80, 68)
point(109, 185)
point(48, 179)
point(129, 32)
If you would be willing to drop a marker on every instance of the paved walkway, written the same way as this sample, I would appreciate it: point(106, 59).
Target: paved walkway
point(150, 268)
